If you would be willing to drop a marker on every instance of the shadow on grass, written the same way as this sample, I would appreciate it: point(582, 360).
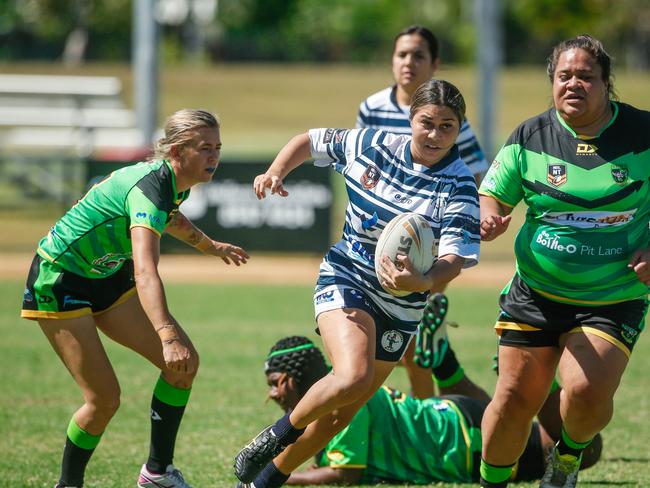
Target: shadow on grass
point(629, 460)
point(609, 483)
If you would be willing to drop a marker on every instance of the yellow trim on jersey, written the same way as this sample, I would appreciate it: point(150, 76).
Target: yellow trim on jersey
point(463, 427)
point(123, 298)
point(602, 335)
point(45, 255)
point(515, 326)
point(44, 314)
point(572, 301)
point(146, 227)
point(347, 466)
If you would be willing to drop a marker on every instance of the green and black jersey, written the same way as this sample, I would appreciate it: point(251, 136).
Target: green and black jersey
point(93, 238)
point(588, 204)
point(395, 437)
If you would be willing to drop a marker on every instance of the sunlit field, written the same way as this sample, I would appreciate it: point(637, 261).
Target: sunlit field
point(233, 327)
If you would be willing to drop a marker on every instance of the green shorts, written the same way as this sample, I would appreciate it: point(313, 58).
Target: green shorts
point(54, 293)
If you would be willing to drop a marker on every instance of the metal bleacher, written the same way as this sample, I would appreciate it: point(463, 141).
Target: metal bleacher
point(51, 126)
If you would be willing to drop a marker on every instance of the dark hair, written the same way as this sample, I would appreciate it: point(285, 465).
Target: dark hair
point(594, 47)
point(441, 93)
point(427, 35)
point(299, 358)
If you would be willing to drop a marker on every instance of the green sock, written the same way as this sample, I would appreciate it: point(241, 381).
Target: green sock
point(566, 445)
point(495, 476)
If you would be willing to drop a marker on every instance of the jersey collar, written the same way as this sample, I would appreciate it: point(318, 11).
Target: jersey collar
point(573, 133)
point(177, 197)
point(393, 100)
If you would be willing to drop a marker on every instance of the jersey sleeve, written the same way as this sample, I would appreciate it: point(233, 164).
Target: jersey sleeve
point(460, 231)
point(470, 150)
point(362, 116)
point(503, 179)
point(338, 147)
point(142, 212)
point(349, 448)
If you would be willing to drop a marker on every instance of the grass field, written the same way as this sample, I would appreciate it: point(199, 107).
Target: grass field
point(233, 326)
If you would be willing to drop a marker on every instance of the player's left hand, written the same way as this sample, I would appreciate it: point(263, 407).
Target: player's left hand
point(402, 276)
point(640, 263)
point(227, 252)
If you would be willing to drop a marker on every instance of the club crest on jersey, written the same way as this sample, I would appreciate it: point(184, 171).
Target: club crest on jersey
point(620, 175)
point(556, 174)
point(583, 149)
point(370, 177)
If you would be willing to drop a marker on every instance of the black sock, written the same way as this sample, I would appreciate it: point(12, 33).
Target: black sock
point(286, 432)
point(165, 421)
point(74, 464)
point(448, 367)
point(270, 477)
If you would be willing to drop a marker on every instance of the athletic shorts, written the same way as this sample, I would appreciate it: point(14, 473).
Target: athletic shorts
point(530, 465)
point(54, 293)
point(531, 320)
point(391, 336)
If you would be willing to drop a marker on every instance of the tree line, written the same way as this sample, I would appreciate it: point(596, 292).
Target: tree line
point(77, 31)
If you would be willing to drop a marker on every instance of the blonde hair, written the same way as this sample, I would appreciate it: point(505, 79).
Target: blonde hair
point(179, 127)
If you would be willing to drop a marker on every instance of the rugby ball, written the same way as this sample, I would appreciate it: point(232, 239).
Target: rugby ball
point(411, 235)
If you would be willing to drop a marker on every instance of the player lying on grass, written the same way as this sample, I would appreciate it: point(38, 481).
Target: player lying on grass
point(396, 438)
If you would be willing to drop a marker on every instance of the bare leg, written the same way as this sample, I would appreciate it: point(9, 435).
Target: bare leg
point(419, 378)
point(591, 369)
point(321, 431)
point(128, 325)
point(525, 376)
point(77, 343)
point(349, 340)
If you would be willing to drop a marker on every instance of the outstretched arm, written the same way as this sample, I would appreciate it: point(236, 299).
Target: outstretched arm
point(292, 155)
point(184, 230)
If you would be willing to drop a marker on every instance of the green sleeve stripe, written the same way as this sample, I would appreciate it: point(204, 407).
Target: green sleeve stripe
point(81, 438)
point(166, 393)
point(453, 379)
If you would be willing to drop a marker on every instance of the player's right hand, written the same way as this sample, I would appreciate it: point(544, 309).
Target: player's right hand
point(177, 356)
point(273, 182)
point(493, 226)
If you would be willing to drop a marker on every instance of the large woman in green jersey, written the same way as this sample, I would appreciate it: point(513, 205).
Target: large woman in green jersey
point(579, 297)
point(98, 269)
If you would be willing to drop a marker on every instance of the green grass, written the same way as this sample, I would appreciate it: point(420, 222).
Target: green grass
point(233, 326)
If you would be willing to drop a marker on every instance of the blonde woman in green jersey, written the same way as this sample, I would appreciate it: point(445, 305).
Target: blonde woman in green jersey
point(579, 297)
point(97, 269)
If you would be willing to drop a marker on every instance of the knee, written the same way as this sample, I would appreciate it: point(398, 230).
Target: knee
point(352, 386)
point(582, 395)
point(515, 405)
point(104, 405)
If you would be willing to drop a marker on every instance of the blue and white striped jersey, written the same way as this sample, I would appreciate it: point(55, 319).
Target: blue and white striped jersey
point(382, 182)
point(381, 111)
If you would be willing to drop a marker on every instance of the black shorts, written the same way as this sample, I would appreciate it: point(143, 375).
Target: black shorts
point(54, 293)
point(391, 336)
point(530, 465)
point(531, 320)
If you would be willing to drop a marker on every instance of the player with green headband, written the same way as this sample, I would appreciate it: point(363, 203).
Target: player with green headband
point(396, 438)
